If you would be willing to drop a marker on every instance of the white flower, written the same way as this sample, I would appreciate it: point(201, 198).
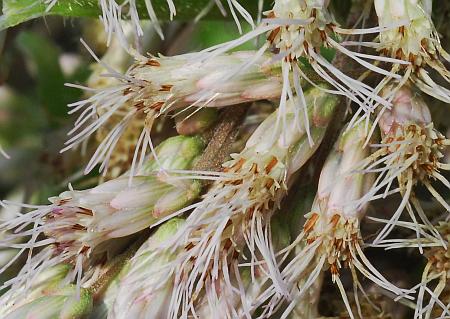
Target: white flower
point(408, 33)
point(331, 236)
point(80, 224)
point(235, 213)
point(411, 152)
point(158, 86)
point(296, 32)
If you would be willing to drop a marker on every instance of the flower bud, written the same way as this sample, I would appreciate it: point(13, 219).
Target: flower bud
point(159, 85)
point(64, 304)
point(175, 153)
point(340, 187)
point(132, 300)
point(47, 283)
point(408, 107)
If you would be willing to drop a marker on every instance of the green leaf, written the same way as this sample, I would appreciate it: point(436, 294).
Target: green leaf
point(18, 11)
point(43, 58)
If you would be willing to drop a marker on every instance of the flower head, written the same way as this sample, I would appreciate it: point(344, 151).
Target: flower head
point(331, 238)
point(408, 34)
point(78, 224)
point(158, 86)
point(235, 213)
point(296, 32)
point(411, 152)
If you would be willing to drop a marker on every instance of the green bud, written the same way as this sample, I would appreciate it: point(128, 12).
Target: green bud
point(175, 153)
point(64, 304)
point(141, 272)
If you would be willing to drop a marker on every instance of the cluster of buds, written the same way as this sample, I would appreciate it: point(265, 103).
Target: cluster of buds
point(80, 224)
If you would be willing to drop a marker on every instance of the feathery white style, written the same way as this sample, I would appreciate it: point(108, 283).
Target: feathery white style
point(234, 215)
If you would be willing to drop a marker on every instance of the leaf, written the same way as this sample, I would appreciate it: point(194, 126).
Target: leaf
point(43, 58)
point(18, 11)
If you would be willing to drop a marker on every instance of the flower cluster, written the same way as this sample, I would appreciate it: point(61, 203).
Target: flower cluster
point(211, 153)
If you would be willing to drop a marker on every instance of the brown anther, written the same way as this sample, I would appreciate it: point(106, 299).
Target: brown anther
point(85, 211)
point(270, 14)
point(428, 168)
point(237, 182)
point(238, 165)
point(310, 223)
point(140, 105)
point(412, 128)
point(64, 201)
point(412, 58)
point(84, 249)
point(251, 211)
point(189, 246)
point(269, 183)
point(79, 227)
point(227, 245)
point(402, 30)
point(335, 219)
point(127, 91)
point(166, 87)
point(153, 62)
point(254, 168)
point(338, 243)
point(420, 148)
point(273, 34)
point(432, 158)
point(157, 105)
point(334, 269)
point(271, 164)
point(306, 46)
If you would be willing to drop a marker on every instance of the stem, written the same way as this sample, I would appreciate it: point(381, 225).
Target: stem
point(221, 138)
